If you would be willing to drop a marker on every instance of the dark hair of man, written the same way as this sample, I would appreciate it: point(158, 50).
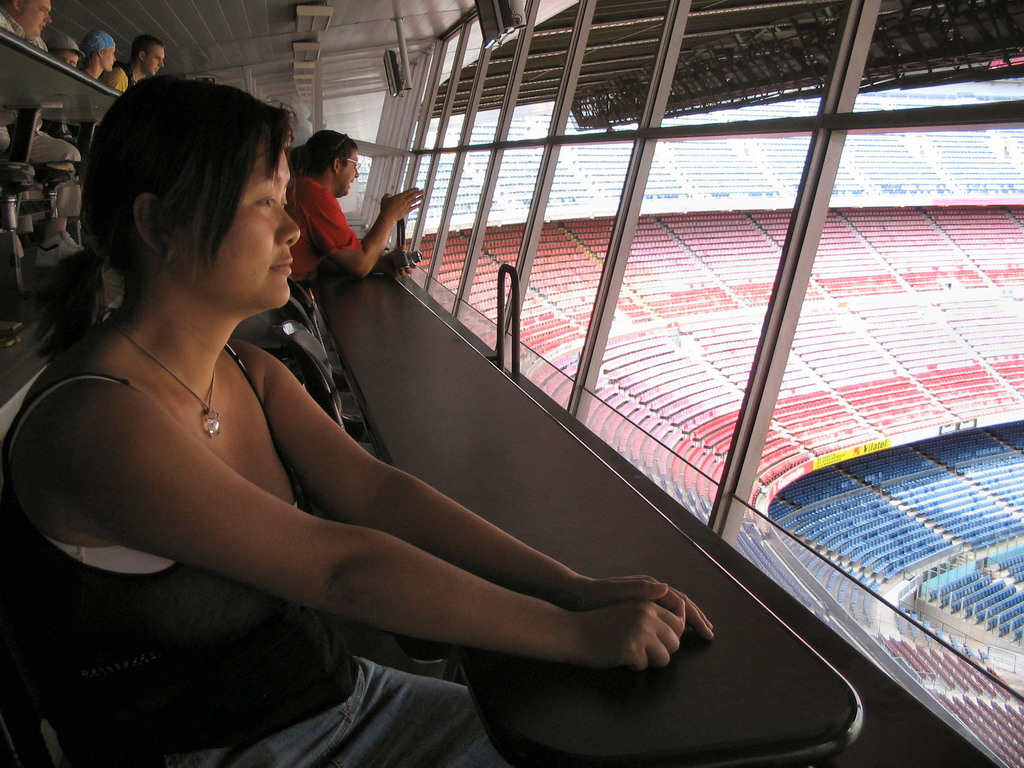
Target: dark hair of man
point(151, 142)
point(315, 156)
point(144, 43)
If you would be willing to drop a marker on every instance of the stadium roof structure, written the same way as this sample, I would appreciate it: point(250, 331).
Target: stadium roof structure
point(738, 52)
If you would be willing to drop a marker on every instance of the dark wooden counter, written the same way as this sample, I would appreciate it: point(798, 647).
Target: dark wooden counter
point(445, 414)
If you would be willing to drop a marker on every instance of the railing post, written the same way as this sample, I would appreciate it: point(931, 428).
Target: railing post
point(507, 270)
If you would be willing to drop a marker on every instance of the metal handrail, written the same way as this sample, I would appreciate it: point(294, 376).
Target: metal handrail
point(507, 270)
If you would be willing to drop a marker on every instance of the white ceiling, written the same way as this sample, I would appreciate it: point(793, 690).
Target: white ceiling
point(248, 43)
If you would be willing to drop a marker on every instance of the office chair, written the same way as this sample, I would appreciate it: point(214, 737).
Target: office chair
point(314, 371)
point(21, 737)
point(303, 307)
point(23, 203)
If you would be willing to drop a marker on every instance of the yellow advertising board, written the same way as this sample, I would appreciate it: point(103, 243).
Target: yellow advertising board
point(851, 453)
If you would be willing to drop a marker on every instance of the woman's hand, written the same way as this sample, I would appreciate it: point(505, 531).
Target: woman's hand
point(636, 634)
point(589, 594)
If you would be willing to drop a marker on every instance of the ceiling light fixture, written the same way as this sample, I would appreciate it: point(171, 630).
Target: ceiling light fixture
point(305, 50)
point(312, 18)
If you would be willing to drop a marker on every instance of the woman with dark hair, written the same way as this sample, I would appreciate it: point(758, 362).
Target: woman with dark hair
point(182, 526)
point(325, 168)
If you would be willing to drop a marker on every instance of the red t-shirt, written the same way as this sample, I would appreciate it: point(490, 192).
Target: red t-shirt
point(322, 225)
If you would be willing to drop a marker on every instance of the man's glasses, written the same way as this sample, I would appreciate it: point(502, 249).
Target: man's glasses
point(342, 140)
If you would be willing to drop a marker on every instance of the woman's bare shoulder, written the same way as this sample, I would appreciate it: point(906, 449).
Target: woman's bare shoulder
point(257, 361)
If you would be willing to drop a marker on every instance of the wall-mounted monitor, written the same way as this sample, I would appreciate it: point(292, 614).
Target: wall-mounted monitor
point(394, 73)
point(498, 18)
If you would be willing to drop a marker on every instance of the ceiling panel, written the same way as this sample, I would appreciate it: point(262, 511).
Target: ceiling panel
point(240, 41)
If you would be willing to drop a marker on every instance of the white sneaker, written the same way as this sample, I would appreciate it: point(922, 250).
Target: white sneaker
point(58, 247)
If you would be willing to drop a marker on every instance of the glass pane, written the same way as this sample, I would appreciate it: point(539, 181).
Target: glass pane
point(530, 121)
point(463, 85)
point(772, 111)
point(454, 131)
point(953, 95)
point(503, 237)
point(550, 379)
point(467, 200)
point(549, 46)
point(448, 51)
point(618, 65)
point(570, 255)
point(700, 272)
point(733, 60)
point(914, 307)
point(901, 409)
point(958, 52)
point(643, 436)
point(971, 679)
point(434, 207)
point(496, 86)
point(421, 164)
point(484, 127)
point(942, 167)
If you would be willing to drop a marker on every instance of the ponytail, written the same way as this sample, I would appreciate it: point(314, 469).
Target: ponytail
point(72, 301)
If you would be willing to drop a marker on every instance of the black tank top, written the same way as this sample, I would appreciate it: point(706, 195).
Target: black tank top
point(129, 667)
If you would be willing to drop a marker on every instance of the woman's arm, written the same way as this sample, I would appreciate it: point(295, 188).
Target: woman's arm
point(370, 493)
point(110, 464)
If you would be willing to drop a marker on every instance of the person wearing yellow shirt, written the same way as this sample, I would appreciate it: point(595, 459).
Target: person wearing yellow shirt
point(146, 60)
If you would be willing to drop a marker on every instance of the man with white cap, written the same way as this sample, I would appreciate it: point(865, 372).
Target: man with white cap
point(64, 48)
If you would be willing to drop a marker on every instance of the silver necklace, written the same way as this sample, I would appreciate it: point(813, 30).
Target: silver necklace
point(211, 419)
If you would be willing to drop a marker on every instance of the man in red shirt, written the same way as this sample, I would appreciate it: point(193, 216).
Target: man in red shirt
point(325, 168)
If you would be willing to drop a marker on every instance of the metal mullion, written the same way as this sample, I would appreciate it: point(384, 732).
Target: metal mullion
point(515, 81)
point(448, 210)
point(576, 53)
point(428, 189)
point(549, 160)
point(476, 239)
point(433, 83)
point(426, 81)
point(494, 165)
point(443, 226)
point(469, 265)
point(426, 107)
point(387, 170)
point(453, 88)
point(318, 99)
point(796, 262)
point(442, 127)
point(628, 213)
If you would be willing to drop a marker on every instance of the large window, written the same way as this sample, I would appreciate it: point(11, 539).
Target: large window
point(693, 296)
point(618, 66)
point(571, 250)
point(503, 237)
point(739, 278)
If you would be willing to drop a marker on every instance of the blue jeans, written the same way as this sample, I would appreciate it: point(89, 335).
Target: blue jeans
point(392, 719)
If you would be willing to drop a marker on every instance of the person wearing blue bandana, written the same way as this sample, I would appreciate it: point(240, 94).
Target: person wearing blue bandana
point(99, 49)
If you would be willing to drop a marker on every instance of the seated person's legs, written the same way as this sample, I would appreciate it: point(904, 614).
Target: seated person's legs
point(56, 243)
point(392, 718)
